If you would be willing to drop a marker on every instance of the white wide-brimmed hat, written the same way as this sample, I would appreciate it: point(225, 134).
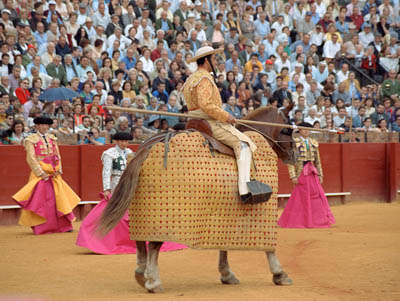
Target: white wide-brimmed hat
point(204, 51)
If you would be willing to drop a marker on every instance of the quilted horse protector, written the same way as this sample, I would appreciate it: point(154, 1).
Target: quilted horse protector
point(195, 201)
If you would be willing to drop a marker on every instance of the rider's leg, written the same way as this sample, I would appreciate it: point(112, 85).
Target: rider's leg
point(243, 161)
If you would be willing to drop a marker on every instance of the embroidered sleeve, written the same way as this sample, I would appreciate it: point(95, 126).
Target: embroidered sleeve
point(107, 166)
point(208, 102)
point(292, 171)
point(31, 159)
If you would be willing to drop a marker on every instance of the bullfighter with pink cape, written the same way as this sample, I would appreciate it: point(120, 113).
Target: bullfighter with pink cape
point(46, 200)
point(117, 241)
point(307, 206)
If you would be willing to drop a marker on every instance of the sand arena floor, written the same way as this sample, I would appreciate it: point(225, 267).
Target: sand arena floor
point(357, 259)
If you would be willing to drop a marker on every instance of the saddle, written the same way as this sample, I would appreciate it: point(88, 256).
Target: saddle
point(204, 128)
point(259, 192)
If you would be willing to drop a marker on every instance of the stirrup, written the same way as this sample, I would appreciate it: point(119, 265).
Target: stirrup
point(258, 193)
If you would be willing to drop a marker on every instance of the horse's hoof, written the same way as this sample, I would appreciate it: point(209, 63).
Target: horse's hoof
point(155, 290)
point(230, 279)
point(140, 279)
point(282, 279)
point(153, 286)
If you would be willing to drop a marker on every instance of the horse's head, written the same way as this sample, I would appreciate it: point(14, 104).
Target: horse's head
point(279, 138)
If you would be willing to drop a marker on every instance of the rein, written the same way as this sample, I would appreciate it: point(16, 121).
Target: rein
point(275, 142)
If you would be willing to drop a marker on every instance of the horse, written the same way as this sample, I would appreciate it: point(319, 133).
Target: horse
point(173, 199)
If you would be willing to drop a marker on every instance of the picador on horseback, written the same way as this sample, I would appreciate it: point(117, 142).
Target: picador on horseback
point(204, 100)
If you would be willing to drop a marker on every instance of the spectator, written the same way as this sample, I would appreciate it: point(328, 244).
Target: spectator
point(379, 115)
point(22, 91)
point(93, 137)
point(339, 119)
point(396, 124)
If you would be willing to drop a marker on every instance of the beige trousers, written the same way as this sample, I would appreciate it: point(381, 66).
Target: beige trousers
point(226, 133)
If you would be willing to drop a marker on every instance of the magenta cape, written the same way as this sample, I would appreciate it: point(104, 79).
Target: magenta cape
point(307, 206)
point(117, 241)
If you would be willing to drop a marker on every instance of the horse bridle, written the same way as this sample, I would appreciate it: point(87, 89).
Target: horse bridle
point(269, 138)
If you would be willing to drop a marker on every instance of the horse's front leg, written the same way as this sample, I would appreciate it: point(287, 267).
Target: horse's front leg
point(141, 261)
point(280, 277)
point(227, 276)
point(153, 282)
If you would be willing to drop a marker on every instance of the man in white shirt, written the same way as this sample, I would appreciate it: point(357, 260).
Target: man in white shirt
point(101, 17)
point(99, 90)
point(165, 8)
point(312, 117)
point(85, 126)
point(283, 61)
point(331, 48)
point(82, 14)
point(117, 35)
point(270, 45)
point(320, 8)
point(343, 74)
point(278, 25)
point(366, 36)
point(339, 119)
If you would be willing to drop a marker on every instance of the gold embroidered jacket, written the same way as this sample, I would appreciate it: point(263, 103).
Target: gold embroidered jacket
point(311, 154)
point(37, 150)
point(201, 92)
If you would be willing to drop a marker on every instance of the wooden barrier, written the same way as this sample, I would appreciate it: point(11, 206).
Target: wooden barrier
point(368, 171)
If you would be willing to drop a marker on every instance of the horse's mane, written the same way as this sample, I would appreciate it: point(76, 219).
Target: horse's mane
point(258, 112)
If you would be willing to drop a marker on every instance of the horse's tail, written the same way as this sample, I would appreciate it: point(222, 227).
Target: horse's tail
point(123, 194)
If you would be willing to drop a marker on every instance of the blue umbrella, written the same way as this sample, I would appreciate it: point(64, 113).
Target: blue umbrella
point(54, 94)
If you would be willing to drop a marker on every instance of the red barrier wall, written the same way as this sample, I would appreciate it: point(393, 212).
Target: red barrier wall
point(369, 171)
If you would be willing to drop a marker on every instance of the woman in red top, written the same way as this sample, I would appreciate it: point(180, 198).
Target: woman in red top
point(22, 91)
point(368, 64)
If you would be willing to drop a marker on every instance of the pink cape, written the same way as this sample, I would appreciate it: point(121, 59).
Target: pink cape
point(307, 206)
point(43, 203)
point(117, 241)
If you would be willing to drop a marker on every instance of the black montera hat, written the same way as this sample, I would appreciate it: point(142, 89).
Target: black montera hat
point(305, 124)
point(43, 120)
point(122, 136)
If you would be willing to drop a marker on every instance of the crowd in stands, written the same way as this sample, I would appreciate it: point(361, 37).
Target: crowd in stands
point(337, 62)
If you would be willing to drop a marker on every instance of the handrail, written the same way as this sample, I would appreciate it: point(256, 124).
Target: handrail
point(359, 70)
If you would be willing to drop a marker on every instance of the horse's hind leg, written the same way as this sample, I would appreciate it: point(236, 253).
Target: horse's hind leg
point(153, 282)
point(280, 277)
point(227, 276)
point(141, 260)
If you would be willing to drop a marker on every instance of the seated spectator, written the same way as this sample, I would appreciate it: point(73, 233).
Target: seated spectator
point(22, 91)
point(340, 119)
point(127, 91)
point(92, 137)
point(172, 121)
point(368, 127)
point(116, 92)
point(379, 115)
point(137, 134)
point(297, 117)
point(16, 133)
point(396, 124)
point(232, 108)
point(353, 137)
point(85, 126)
point(123, 124)
point(109, 127)
point(161, 94)
point(66, 126)
point(382, 126)
point(312, 117)
point(86, 93)
point(341, 93)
